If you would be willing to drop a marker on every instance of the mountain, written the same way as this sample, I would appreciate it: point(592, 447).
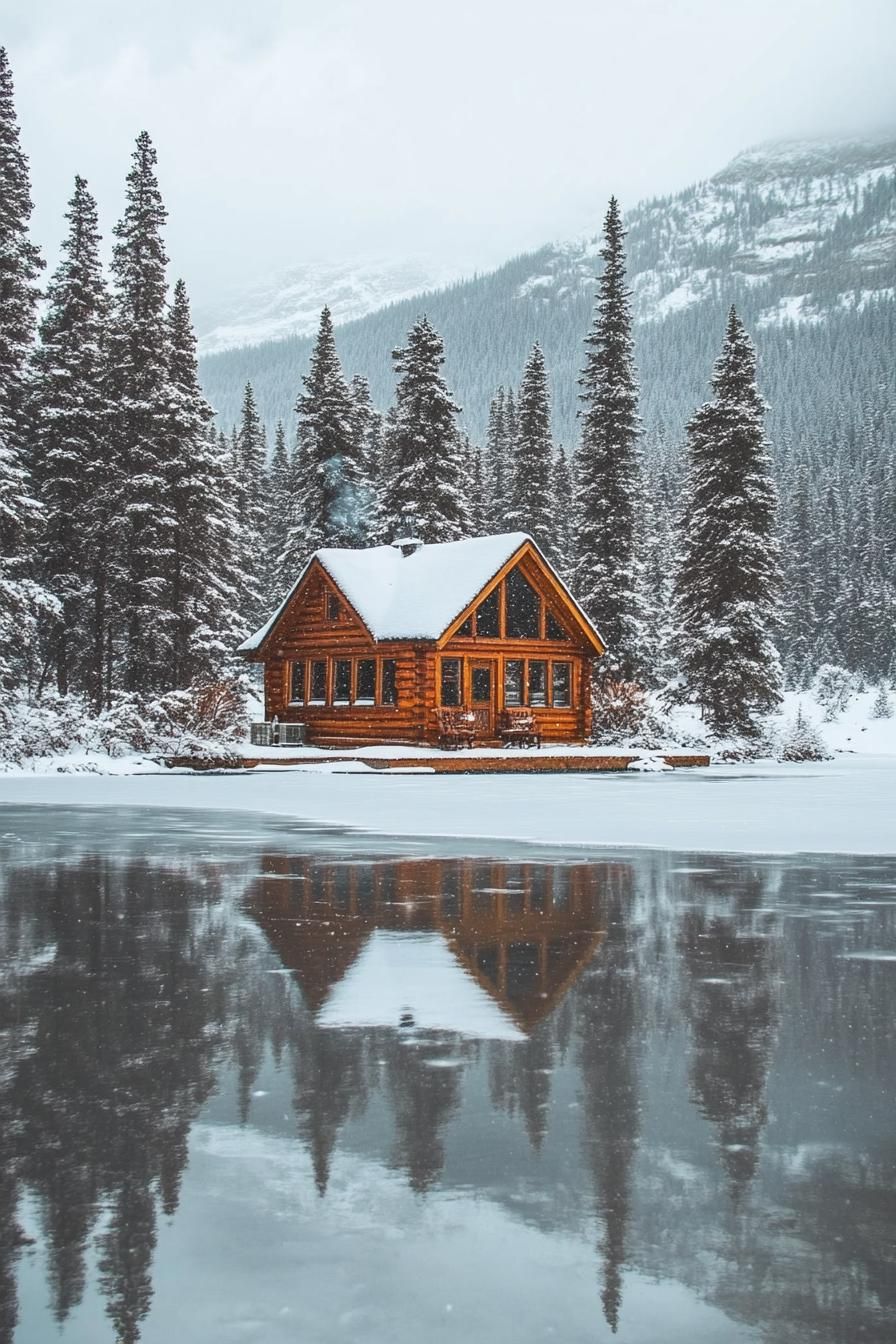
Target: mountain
point(290, 304)
point(801, 235)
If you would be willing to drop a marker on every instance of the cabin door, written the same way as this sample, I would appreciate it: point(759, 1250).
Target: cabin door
point(483, 695)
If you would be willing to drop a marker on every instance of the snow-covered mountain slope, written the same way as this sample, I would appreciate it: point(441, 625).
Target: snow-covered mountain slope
point(800, 235)
point(803, 223)
point(290, 304)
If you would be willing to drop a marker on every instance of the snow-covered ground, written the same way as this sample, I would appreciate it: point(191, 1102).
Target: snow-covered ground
point(843, 805)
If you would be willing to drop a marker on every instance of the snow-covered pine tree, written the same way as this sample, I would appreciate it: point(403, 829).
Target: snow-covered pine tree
point(800, 598)
point(287, 566)
point(608, 476)
point(204, 575)
point(728, 584)
point(250, 465)
point(139, 385)
point(278, 513)
point(532, 500)
point(658, 549)
point(882, 705)
point(70, 421)
point(368, 430)
point(498, 464)
point(479, 525)
point(427, 474)
point(562, 502)
point(334, 502)
point(20, 265)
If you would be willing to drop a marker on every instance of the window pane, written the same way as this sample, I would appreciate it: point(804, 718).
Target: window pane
point(297, 684)
point(332, 607)
point(553, 629)
point(523, 605)
point(538, 681)
point(389, 695)
point(365, 687)
point(487, 615)
point(319, 681)
point(513, 682)
point(342, 680)
point(482, 685)
point(450, 681)
point(467, 627)
point(561, 681)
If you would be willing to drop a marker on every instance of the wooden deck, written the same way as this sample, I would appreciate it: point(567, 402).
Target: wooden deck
point(451, 763)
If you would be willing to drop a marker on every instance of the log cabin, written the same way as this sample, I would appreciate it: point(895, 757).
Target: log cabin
point(370, 644)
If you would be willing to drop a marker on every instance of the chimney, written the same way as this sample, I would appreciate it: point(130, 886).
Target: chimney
point(407, 542)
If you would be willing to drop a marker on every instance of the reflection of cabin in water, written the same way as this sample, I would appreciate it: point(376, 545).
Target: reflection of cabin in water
point(370, 643)
point(478, 947)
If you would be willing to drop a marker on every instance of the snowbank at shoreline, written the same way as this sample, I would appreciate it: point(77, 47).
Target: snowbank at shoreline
point(843, 806)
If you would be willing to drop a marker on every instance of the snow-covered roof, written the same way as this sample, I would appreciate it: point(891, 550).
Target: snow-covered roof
point(413, 978)
point(414, 596)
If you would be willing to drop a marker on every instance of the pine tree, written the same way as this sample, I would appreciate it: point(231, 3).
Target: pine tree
point(800, 600)
point(479, 524)
point(204, 576)
point(279, 511)
point(562, 502)
point(609, 466)
point(335, 500)
point(498, 464)
point(532, 496)
point(139, 384)
point(727, 586)
point(249, 467)
point(427, 474)
point(20, 265)
point(71, 419)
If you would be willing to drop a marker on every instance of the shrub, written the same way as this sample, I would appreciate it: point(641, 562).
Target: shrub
point(833, 687)
point(801, 741)
point(882, 708)
point(619, 708)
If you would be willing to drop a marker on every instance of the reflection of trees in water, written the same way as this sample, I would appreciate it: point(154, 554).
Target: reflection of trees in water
point(109, 1049)
point(730, 1004)
point(609, 1003)
point(116, 1055)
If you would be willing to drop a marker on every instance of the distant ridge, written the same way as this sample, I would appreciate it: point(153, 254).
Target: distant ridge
point(800, 234)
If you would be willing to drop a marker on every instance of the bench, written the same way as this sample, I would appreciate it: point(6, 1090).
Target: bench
point(457, 728)
point(518, 726)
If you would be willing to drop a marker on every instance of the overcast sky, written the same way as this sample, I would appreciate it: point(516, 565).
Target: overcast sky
point(462, 130)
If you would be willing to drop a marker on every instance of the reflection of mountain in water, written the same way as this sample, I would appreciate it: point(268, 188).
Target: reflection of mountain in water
point(657, 1062)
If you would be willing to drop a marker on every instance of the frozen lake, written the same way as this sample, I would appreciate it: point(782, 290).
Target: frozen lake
point(260, 1082)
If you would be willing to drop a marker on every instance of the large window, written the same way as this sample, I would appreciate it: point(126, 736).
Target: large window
point(466, 630)
point(560, 690)
point(342, 681)
point(513, 682)
point(297, 684)
point(389, 693)
point(553, 629)
point(523, 607)
point(488, 617)
point(319, 682)
point(481, 685)
point(451, 681)
point(538, 683)
point(365, 681)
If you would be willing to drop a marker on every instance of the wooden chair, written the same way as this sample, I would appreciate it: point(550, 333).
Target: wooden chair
point(517, 727)
point(457, 728)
